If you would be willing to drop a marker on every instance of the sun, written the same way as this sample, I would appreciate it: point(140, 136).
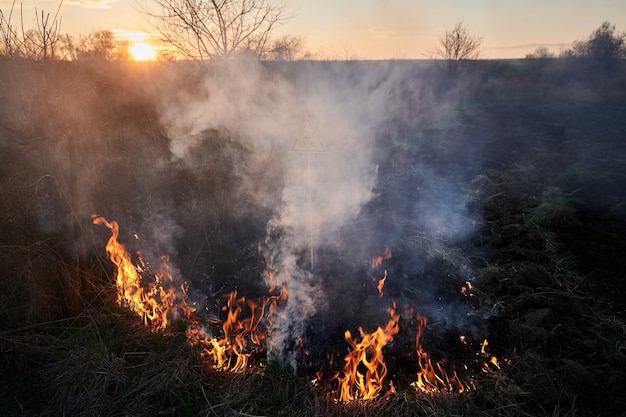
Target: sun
point(141, 51)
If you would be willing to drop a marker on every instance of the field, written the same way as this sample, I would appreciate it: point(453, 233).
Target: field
point(491, 203)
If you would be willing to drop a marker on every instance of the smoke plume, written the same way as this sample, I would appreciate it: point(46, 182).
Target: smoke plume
point(339, 109)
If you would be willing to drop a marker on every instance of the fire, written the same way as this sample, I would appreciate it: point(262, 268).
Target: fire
point(367, 383)
point(243, 333)
point(157, 301)
point(365, 370)
point(381, 284)
point(492, 359)
point(432, 377)
point(154, 301)
point(376, 262)
point(466, 289)
point(230, 344)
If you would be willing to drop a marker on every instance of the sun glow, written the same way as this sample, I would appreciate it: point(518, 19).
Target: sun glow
point(141, 51)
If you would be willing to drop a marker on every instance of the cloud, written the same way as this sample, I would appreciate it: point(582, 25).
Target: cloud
point(530, 46)
point(92, 4)
point(133, 35)
point(382, 32)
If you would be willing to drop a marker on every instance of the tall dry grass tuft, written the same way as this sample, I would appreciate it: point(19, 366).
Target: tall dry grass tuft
point(43, 284)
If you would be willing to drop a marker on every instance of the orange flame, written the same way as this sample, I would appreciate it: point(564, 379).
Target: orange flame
point(376, 262)
point(466, 289)
point(432, 377)
point(381, 284)
point(157, 302)
point(153, 301)
point(365, 370)
point(492, 359)
point(243, 333)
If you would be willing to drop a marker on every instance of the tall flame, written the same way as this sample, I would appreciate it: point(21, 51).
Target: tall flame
point(154, 301)
point(365, 370)
point(157, 301)
point(432, 377)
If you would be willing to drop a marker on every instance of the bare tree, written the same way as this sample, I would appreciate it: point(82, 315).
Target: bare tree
point(288, 48)
point(456, 46)
point(40, 43)
point(102, 45)
point(205, 29)
point(48, 33)
point(11, 43)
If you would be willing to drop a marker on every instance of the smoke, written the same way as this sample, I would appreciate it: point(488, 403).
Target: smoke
point(325, 126)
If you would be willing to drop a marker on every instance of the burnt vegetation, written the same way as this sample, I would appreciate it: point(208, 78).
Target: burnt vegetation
point(537, 145)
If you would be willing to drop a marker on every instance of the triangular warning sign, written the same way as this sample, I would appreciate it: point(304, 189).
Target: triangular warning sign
point(308, 140)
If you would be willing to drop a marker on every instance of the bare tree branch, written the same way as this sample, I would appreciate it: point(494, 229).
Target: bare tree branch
point(39, 43)
point(205, 29)
point(457, 45)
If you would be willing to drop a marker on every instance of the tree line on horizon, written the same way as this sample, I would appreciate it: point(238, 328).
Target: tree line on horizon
point(206, 30)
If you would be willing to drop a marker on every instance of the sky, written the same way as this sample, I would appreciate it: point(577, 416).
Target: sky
point(376, 29)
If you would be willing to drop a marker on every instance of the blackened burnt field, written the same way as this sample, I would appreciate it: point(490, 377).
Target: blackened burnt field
point(488, 202)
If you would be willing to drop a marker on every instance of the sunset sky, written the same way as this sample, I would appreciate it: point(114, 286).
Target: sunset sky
point(378, 29)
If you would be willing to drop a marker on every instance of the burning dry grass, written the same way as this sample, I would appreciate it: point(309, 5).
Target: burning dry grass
point(247, 324)
point(105, 362)
point(67, 349)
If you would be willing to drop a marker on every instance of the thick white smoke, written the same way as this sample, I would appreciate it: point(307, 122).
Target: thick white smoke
point(267, 107)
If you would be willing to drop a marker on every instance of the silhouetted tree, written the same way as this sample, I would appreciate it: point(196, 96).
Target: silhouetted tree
point(205, 29)
point(603, 51)
point(102, 45)
point(39, 43)
point(288, 48)
point(536, 62)
point(456, 46)
point(540, 53)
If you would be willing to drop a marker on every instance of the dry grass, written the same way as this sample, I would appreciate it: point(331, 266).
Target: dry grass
point(66, 350)
point(104, 362)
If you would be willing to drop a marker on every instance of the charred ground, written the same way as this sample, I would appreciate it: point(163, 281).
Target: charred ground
point(536, 222)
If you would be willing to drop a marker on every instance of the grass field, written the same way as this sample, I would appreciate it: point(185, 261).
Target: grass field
point(509, 180)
